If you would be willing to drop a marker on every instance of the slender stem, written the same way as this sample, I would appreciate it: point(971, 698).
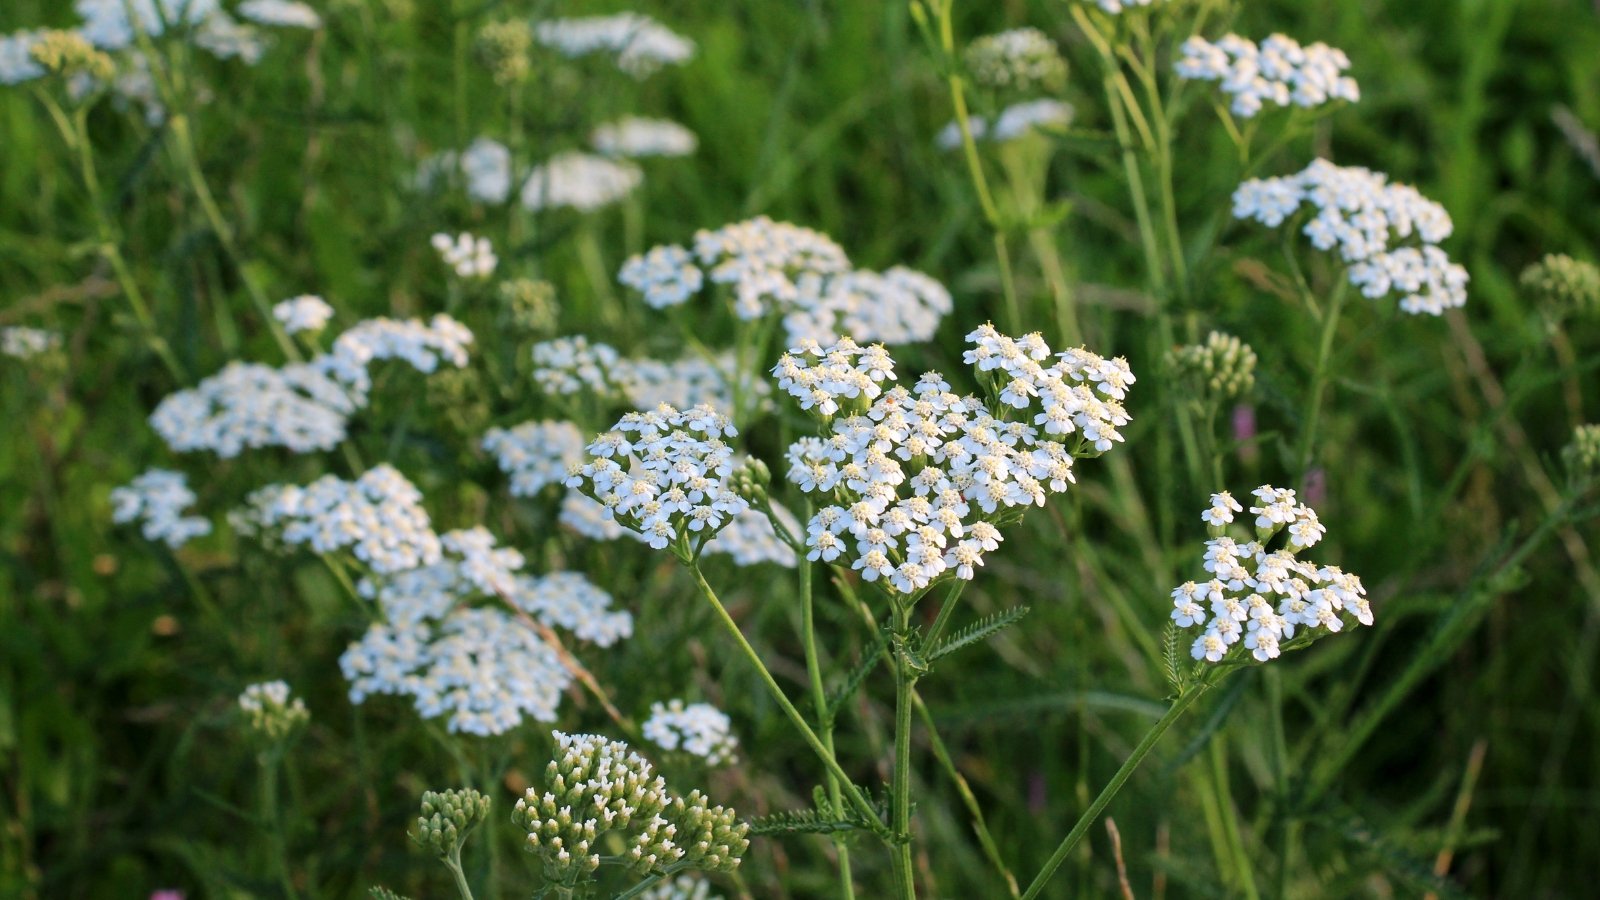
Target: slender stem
point(980, 181)
point(453, 863)
point(945, 609)
point(819, 699)
point(905, 680)
point(1146, 744)
point(75, 133)
point(189, 159)
point(851, 792)
point(1319, 380)
point(270, 814)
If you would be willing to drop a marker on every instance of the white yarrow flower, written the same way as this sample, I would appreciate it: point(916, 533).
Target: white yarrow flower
point(306, 312)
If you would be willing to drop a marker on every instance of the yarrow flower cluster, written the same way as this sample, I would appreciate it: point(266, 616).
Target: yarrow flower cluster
point(1279, 72)
point(301, 406)
point(250, 405)
point(535, 454)
point(485, 667)
point(640, 44)
point(633, 136)
point(22, 342)
point(447, 818)
point(485, 168)
point(1563, 286)
point(1014, 121)
point(799, 274)
point(378, 517)
point(280, 13)
point(270, 713)
point(572, 364)
point(1366, 217)
point(921, 477)
point(1021, 59)
point(157, 499)
point(582, 181)
point(698, 729)
point(304, 313)
point(1258, 600)
point(595, 786)
point(469, 256)
point(665, 474)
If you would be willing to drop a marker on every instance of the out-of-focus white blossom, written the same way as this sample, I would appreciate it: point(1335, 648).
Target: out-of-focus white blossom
point(482, 667)
point(698, 729)
point(1279, 72)
point(223, 37)
point(1118, 7)
point(799, 274)
point(485, 167)
point(535, 454)
point(280, 13)
point(378, 517)
point(1014, 121)
point(270, 712)
point(156, 499)
point(306, 312)
point(107, 23)
point(250, 406)
point(751, 540)
point(582, 181)
point(634, 137)
point(422, 345)
point(683, 887)
point(22, 342)
point(568, 365)
point(1257, 600)
point(16, 58)
point(469, 256)
point(640, 44)
point(1366, 217)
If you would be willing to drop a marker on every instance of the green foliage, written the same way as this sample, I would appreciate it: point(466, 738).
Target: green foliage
point(977, 632)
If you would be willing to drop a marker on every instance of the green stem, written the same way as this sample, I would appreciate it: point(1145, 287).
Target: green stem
point(453, 863)
point(905, 681)
point(75, 133)
point(1319, 380)
point(979, 825)
point(189, 159)
point(851, 792)
point(270, 815)
point(819, 699)
point(1090, 815)
point(945, 610)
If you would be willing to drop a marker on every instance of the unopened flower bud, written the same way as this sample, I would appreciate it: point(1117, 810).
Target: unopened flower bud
point(447, 817)
point(1223, 368)
point(1563, 286)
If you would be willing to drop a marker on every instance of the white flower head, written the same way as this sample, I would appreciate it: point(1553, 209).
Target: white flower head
point(156, 499)
point(470, 257)
point(634, 137)
point(698, 729)
point(306, 312)
point(640, 44)
point(1278, 73)
point(581, 181)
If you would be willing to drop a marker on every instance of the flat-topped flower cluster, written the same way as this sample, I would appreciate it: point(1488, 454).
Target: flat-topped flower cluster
point(665, 474)
point(1278, 72)
point(797, 274)
point(1367, 218)
point(156, 499)
point(921, 477)
point(1256, 599)
point(302, 406)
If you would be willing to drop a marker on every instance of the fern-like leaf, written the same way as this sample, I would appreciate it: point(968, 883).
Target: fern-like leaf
point(977, 631)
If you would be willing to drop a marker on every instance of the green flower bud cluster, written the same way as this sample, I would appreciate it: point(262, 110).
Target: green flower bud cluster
point(1021, 59)
point(447, 817)
point(1223, 368)
point(270, 713)
point(504, 47)
point(532, 303)
point(1563, 286)
point(68, 53)
point(1583, 454)
point(711, 838)
point(750, 480)
point(595, 786)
